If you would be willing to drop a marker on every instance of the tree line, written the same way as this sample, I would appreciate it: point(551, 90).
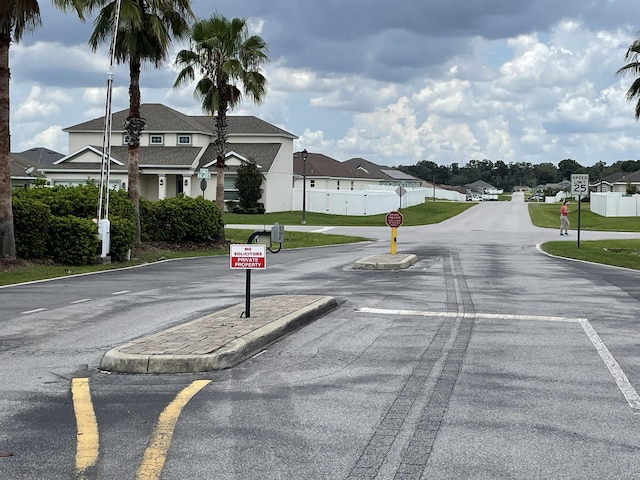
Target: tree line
point(509, 175)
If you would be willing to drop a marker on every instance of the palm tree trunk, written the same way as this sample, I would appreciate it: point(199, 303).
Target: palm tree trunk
point(7, 237)
point(134, 125)
point(221, 145)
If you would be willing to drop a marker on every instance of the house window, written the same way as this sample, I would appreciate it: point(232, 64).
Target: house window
point(312, 183)
point(351, 185)
point(184, 139)
point(337, 184)
point(230, 190)
point(156, 139)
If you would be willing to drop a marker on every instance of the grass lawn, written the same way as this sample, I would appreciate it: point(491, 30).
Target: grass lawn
point(23, 271)
point(548, 215)
point(621, 253)
point(423, 214)
point(427, 213)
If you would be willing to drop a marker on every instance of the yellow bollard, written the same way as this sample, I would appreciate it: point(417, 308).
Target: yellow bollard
point(394, 240)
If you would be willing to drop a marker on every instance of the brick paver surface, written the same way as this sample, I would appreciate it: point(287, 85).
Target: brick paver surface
point(210, 332)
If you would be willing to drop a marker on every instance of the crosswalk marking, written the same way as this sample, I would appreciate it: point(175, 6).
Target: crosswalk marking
point(630, 393)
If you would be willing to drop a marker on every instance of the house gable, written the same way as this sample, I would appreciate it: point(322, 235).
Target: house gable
point(174, 147)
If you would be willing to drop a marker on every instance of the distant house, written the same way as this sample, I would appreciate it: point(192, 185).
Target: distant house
point(41, 155)
point(325, 173)
point(481, 190)
point(385, 175)
point(616, 182)
point(24, 171)
point(174, 149)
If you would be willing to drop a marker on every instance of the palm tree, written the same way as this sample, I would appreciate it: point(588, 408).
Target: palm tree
point(16, 18)
point(145, 31)
point(224, 53)
point(632, 69)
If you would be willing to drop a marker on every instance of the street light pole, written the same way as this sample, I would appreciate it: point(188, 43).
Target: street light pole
point(304, 186)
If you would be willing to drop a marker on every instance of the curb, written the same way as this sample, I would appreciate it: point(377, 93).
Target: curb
point(386, 262)
point(229, 355)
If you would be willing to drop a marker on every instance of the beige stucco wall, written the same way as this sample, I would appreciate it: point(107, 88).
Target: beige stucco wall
point(78, 140)
point(157, 183)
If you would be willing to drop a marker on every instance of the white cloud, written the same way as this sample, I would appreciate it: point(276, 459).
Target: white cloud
point(531, 84)
point(42, 103)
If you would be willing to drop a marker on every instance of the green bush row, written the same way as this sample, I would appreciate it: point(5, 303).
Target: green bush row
point(180, 219)
point(59, 223)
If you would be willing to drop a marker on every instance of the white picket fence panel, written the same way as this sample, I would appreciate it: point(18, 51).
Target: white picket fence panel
point(615, 204)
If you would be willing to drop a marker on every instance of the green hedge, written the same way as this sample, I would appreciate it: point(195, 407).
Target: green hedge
point(72, 240)
point(123, 233)
point(56, 223)
point(180, 219)
point(31, 221)
point(79, 201)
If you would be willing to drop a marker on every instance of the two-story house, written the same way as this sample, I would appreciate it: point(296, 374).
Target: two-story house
point(174, 148)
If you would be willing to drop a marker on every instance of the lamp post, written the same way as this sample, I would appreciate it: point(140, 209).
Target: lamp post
point(304, 186)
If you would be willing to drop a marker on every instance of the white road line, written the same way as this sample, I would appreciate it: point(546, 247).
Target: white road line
point(120, 292)
point(630, 394)
point(81, 301)
point(33, 311)
point(322, 230)
point(499, 316)
point(618, 375)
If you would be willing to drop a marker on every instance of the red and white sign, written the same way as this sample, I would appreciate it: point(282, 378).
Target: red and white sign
point(394, 219)
point(248, 256)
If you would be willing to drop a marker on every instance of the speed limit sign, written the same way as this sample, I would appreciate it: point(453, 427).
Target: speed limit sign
point(579, 184)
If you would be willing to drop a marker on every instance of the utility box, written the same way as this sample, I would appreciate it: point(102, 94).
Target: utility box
point(104, 235)
point(277, 233)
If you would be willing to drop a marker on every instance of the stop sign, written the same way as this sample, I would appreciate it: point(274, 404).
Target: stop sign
point(394, 219)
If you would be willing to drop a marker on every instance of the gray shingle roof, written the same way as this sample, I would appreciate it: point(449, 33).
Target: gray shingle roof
point(41, 155)
point(161, 118)
point(319, 165)
point(177, 157)
point(380, 172)
point(18, 165)
point(623, 177)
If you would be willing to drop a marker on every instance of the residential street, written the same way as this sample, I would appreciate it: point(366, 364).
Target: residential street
point(486, 359)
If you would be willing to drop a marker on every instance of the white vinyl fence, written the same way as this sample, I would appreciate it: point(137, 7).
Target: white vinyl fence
point(375, 200)
point(615, 204)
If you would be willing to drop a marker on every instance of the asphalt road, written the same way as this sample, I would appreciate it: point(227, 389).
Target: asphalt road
point(486, 359)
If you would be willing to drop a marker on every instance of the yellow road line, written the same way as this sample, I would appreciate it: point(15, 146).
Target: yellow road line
point(88, 439)
point(156, 453)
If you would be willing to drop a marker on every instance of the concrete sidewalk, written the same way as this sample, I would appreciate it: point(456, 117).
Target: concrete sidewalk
point(219, 340)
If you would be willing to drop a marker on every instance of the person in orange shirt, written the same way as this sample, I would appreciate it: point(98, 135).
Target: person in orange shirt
point(564, 218)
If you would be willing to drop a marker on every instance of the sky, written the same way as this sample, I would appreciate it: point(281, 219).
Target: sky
point(391, 81)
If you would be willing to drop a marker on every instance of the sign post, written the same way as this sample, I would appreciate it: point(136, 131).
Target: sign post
point(203, 174)
point(394, 220)
point(250, 257)
point(400, 191)
point(579, 187)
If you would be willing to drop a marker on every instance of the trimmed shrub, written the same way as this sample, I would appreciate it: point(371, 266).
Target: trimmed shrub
point(31, 220)
point(123, 232)
point(72, 240)
point(80, 201)
point(180, 219)
point(148, 223)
